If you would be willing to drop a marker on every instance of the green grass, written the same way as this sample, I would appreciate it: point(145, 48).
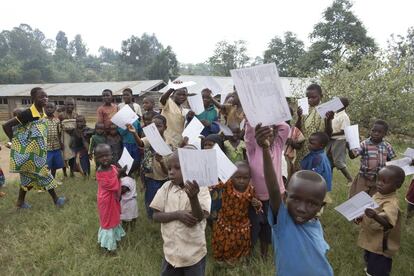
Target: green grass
point(50, 241)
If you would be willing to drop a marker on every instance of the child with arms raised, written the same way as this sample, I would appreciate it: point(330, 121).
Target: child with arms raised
point(231, 232)
point(374, 152)
point(260, 227)
point(297, 235)
point(109, 191)
point(181, 208)
point(114, 140)
point(54, 145)
point(380, 228)
point(154, 165)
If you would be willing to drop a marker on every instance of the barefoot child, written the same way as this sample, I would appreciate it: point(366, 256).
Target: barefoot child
point(96, 139)
point(297, 235)
point(68, 121)
point(381, 228)
point(54, 145)
point(114, 140)
point(2, 181)
point(30, 162)
point(109, 190)
point(80, 144)
point(154, 165)
point(374, 152)
point(105, 112)
point(129, 207)
point(181, 208)
point(231, 232)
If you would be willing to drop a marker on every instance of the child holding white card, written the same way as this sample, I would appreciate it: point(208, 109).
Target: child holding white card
point(129, 207)
point(181, 208)
point(231, 239)
point(234, 147)
point(380, 228)
point(153, 164)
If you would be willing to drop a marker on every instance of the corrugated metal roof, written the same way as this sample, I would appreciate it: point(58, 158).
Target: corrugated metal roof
point(80, 88)
point(291, 86)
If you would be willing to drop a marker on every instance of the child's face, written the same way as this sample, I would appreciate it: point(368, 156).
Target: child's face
point(99, 129)
point(113, 130)
point(160, 125)
point(147, 105)
point(104, 157)
point(241, 178)
point(314, 98)
point(174, 170)
point(69, 106)
point(40, 99)
point(180, 96)
point(126, 97)
point(377, 133)
point(147, 120)
point(50, 109)
point(302, 200)
point(80, 122)
point(107, 97)
point(206, 98)
point(314, 143)
point(385, 183)
point(209, 144)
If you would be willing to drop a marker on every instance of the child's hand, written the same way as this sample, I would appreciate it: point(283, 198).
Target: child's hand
point(159, 158)
point(190, 115)
point(262, 135)
point(187, 218)
point(370, 213)
point(205, 123)
point(330, 115)
point(191, 188)
point(358, 220)
point(122, 171)
point(257, 204)
point(299, 112)
point(90, 156)
point(124, 189)
point(289, 142)
point(130, 128)
point(184, 142)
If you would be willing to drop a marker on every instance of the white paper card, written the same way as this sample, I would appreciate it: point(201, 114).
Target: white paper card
point(225, 168)
point(355, 206)
point(213, 85)
point(304, 104)
point(409, 152)
point(193, 130)
point(199, 165)
point(352, 136)
point(176, 86)
point(261, 94)
point(225, 129)
point(156, 141)
point(403, 163)
point(126, 160)
point(333, 105)
point(196, 103)
point(124, 116)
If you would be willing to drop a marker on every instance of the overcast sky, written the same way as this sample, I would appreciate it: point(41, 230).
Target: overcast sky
point(193, 27)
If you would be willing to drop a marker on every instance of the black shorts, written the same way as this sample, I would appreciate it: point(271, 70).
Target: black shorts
point(197, 269)
point(377, 265)
point(260, 226)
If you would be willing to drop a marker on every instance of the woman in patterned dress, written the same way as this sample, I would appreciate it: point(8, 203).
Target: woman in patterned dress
point(231, 232)
point(28, 151)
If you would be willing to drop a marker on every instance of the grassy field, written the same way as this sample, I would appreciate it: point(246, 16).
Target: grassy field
point(50, 241)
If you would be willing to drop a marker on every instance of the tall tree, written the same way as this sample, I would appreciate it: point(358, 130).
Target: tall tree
point(78, 47)
point(228, 56)
point(164, 66)
point(340, 35)
point(286, 53)
point(62, 41)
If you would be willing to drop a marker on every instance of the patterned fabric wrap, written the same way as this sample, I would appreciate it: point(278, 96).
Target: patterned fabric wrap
point(28, 155)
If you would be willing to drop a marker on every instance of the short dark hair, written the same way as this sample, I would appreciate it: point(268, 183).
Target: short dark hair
point(344, 101)
point(382, 123)
point(398, 175)
point(150, 99)
point(107, 90)
point(129, 90)
point(315, 87)
point(34, 91)
point(206, 90)
point(322, 137)
point(162, 118)
point(150, 114)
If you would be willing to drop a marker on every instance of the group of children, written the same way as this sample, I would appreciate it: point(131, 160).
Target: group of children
point(261, 201)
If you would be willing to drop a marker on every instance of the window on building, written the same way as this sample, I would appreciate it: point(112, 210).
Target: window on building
point(26, 101)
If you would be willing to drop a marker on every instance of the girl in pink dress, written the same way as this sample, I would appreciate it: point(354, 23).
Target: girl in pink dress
point(109, 192)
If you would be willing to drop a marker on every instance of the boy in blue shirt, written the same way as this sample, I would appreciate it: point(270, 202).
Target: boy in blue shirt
point(297, 234)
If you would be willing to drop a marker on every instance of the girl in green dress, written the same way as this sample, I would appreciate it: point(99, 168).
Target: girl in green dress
point(28, 150)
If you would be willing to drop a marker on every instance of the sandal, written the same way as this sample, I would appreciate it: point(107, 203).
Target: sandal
point(60, 201)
